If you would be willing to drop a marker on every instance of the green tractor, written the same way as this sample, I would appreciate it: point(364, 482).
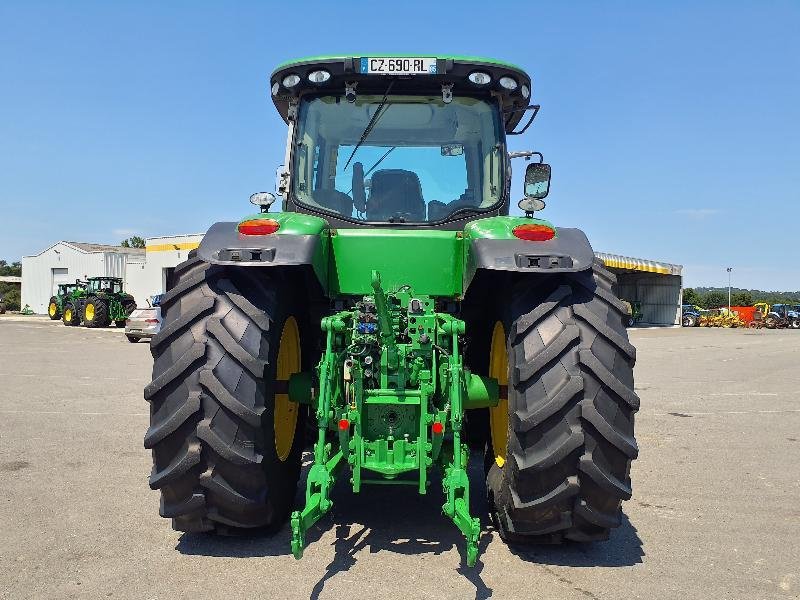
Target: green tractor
point(394, 309)
point(66, 293)
point(105, 302)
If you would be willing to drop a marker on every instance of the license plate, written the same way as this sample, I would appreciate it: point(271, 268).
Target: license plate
point(398, 66)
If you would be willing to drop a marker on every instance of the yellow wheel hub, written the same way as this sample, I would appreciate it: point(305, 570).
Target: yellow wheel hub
point(498, 415)
point(52, 309)
point(89, 312)
point(286, 410)
point(68, 315)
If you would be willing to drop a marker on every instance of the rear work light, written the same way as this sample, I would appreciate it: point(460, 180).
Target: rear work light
point(534, 232)
point(258, 227)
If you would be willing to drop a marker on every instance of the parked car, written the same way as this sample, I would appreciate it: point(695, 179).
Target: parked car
point(143, 323)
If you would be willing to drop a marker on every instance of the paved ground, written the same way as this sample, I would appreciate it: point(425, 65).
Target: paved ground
point(715, 512)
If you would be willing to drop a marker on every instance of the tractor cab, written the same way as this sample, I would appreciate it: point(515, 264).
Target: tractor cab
point(392, 141)
point(104, 285)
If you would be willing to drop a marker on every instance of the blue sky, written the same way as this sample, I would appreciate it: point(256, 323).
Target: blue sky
point(673, 128)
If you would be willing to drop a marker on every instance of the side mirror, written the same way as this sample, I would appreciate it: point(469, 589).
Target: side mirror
point(263, 200)
point(537, 185)
point(537, 180)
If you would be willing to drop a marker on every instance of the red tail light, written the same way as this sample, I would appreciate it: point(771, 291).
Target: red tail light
point(344, 424)
point(534, 232)
point(437, 428)
point(258, 227)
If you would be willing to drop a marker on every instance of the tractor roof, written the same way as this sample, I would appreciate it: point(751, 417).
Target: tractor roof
point(448, 69)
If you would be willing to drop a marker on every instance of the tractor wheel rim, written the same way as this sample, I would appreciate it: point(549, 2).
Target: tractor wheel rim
point(68, 315)
point(52, 309)
point(288, 363)
point(90, 312)
point(498, 415)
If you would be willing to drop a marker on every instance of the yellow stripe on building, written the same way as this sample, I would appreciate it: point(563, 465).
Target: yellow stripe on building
point(637, 264)
point(168, 247)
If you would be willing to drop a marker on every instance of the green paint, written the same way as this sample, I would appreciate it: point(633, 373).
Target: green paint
point(430, 261)
point(392, 369)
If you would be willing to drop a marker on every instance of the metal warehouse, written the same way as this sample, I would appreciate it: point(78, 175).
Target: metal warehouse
point(64, 262)
point(656, 286)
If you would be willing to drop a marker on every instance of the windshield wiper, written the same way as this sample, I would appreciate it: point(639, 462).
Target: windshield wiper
point(370, 125)
point(372, 168)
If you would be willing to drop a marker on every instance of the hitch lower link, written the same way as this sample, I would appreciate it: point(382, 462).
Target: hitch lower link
point(396, 402)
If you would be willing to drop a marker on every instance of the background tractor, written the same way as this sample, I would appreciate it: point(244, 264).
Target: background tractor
point(105, 301)
point(777, 316)
point(783, 315)
point(395, 306)
point(690, 315)
point(65, 293)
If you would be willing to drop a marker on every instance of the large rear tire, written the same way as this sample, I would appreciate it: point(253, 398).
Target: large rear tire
point(226, 441)
point(52, 309)
point(569, 417)
point(71, 316)
point(95, 312)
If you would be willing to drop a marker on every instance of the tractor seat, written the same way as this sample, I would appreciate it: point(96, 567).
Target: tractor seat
point(395, 192)
point(334, 200)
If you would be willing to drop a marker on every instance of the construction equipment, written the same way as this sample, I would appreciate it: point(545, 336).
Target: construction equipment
point(777, 316)
point(65, 293)
point(720, 317)
point(783, 315)
point(395, 303)
point(104, 302)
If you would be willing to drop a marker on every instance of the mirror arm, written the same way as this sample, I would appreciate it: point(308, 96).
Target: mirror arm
point(526, 154)
point(534, 107)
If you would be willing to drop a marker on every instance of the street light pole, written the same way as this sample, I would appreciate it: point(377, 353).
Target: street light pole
point(729, 289)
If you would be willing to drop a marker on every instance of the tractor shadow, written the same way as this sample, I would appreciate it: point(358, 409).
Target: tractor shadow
point(397, 519)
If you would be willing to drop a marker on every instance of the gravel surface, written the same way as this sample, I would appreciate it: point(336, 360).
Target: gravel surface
point(715, 511)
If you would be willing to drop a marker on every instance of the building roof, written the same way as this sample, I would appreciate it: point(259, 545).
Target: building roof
point(89, 247)
point(627, 263)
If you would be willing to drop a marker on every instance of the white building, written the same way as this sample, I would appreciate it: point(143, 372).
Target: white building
point(163, 254)
point(64, 262)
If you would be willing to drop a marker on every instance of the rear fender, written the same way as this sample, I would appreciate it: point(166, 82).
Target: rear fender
point(300, 240)
point(490, 244)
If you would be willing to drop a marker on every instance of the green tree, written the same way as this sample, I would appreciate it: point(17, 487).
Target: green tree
point(13, 269)
point(11, 299)
point(133, 242)
point(690, 296)
point(715, 300)
point(743, 298)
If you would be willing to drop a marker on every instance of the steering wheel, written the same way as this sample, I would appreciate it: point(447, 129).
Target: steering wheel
point(359, 191)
